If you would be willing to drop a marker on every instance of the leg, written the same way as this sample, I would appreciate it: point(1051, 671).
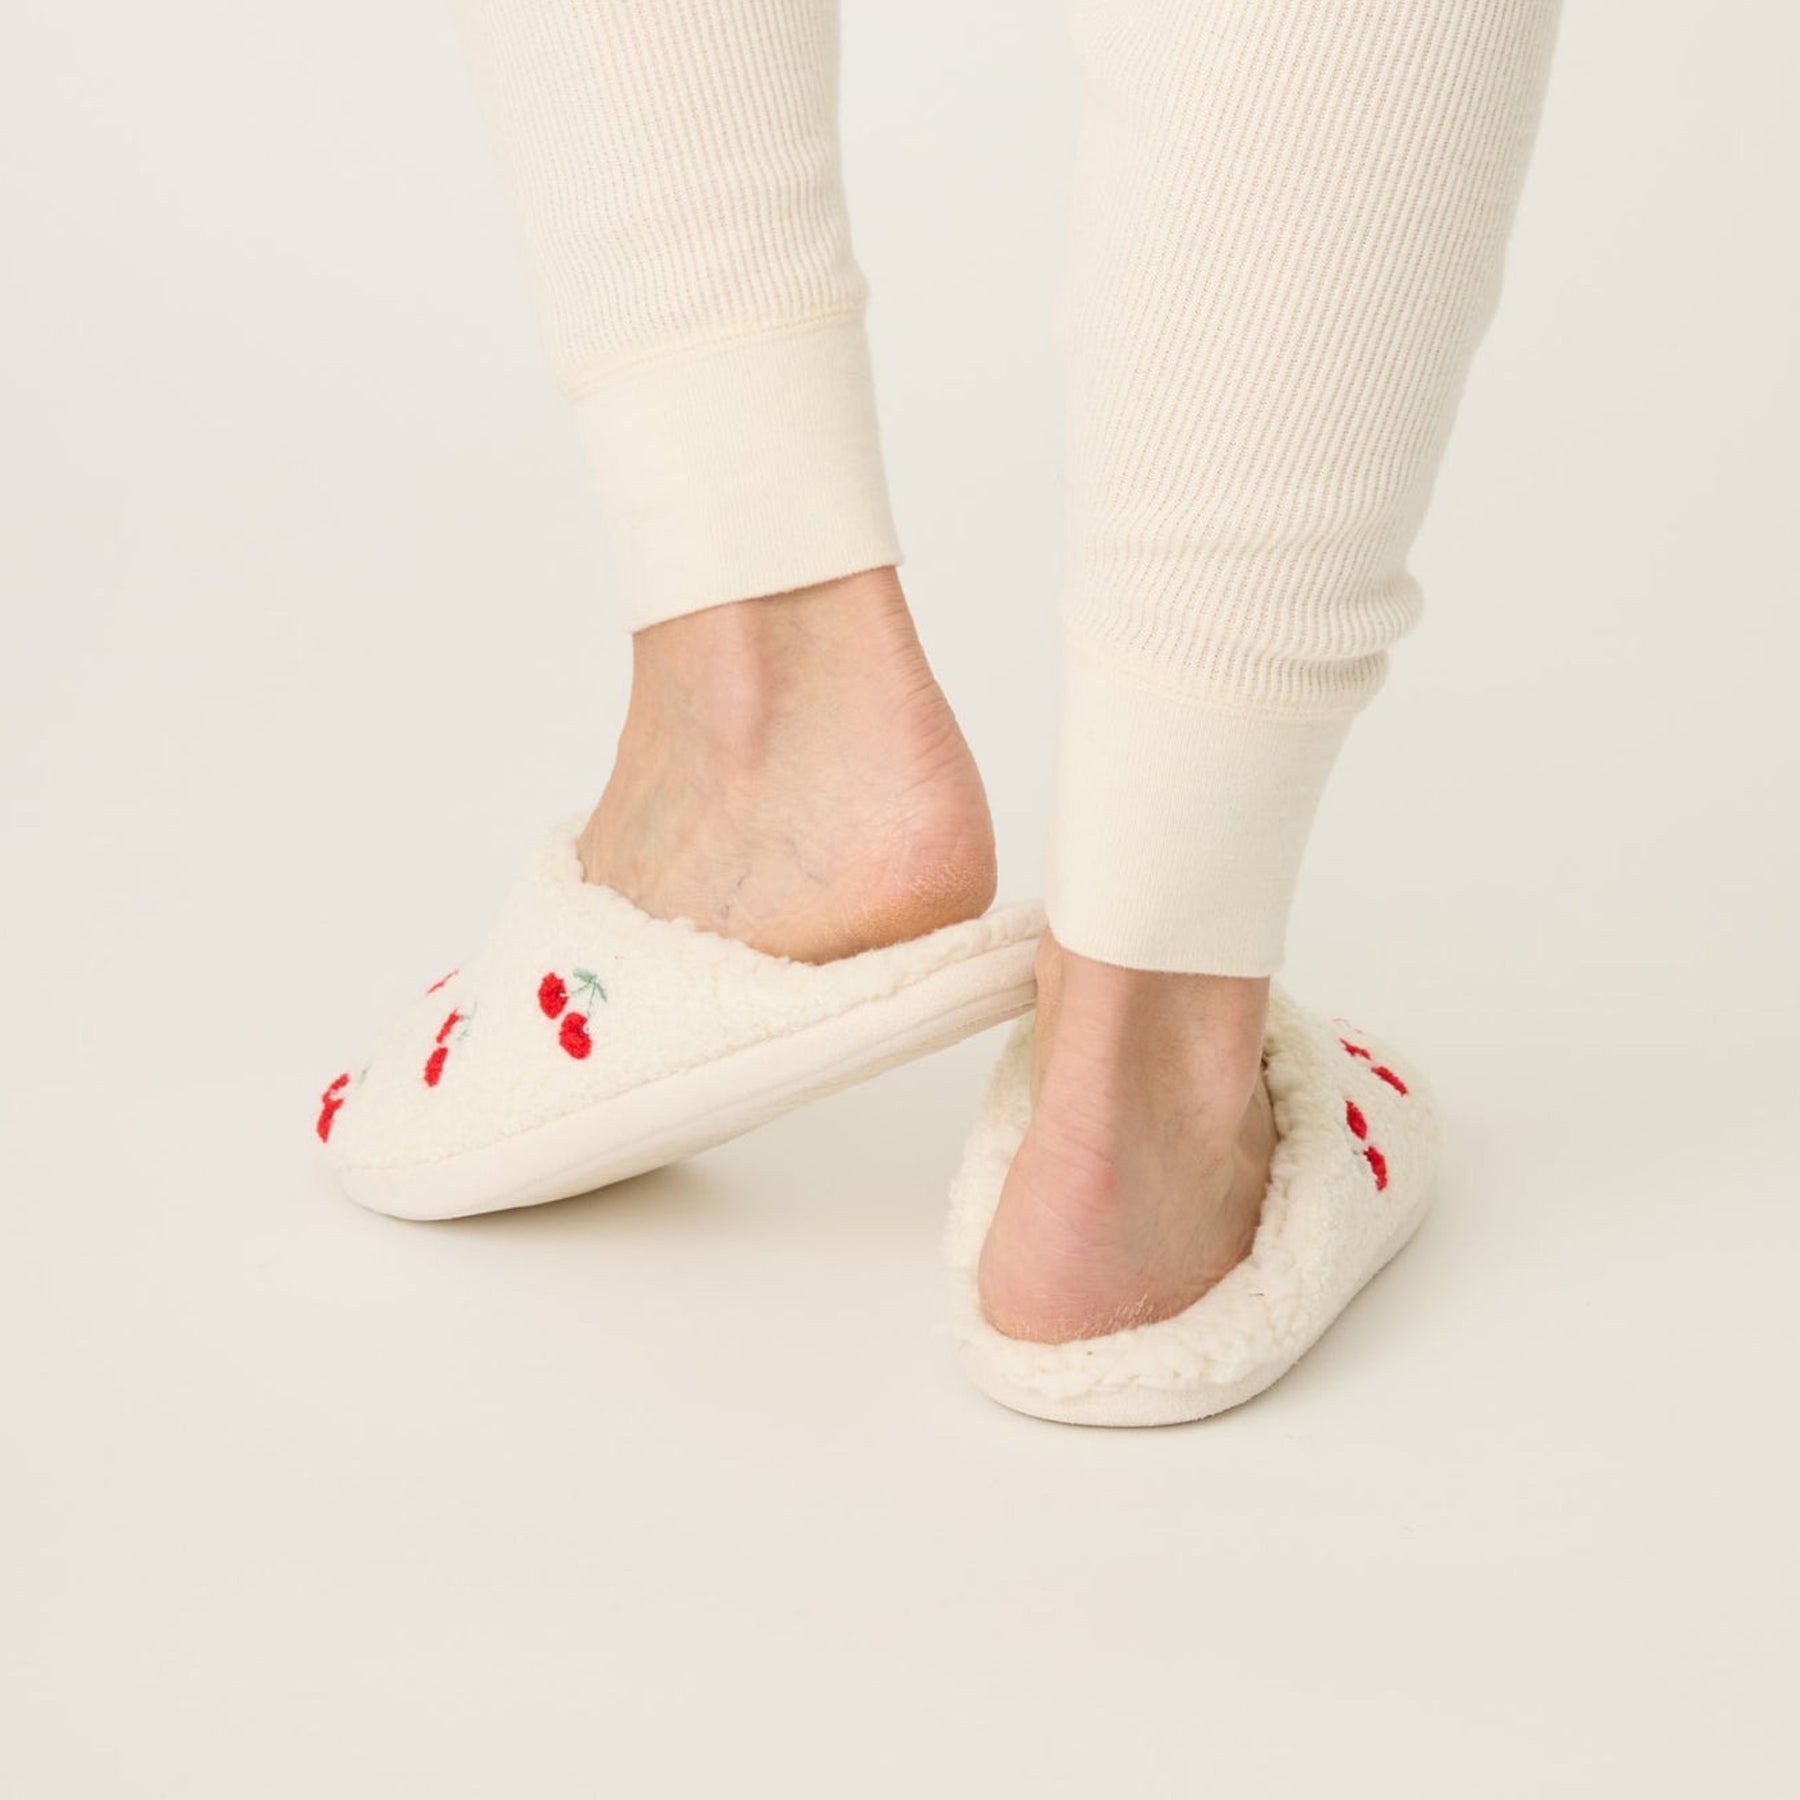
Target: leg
point(1289, 224)
point(789, 772)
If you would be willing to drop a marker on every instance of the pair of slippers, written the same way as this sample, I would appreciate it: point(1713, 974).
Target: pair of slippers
point(588, 1042)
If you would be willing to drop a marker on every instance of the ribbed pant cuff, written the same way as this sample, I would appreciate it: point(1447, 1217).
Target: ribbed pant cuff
point(749, 469)
point(1179, 822)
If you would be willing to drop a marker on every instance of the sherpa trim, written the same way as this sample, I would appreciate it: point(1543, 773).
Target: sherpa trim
point(1349, 1184)
point(588, 1036)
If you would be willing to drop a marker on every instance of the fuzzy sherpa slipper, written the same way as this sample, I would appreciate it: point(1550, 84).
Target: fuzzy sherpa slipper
point(588, 1042)
point(1350, 1181)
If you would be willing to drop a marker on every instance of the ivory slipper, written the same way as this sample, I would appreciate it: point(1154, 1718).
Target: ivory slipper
point(589, 1041)
point(1349, 1183)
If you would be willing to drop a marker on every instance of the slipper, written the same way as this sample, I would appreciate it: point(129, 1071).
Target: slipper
point(588, 1042)
point(1349, 1183)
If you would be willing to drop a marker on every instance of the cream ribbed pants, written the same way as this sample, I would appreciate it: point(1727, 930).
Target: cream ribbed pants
point(1289, 220)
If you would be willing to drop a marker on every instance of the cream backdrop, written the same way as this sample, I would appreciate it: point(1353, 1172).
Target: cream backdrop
point(674, 1490)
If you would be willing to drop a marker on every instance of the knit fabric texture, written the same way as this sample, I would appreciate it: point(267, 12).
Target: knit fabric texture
point(1288, 226)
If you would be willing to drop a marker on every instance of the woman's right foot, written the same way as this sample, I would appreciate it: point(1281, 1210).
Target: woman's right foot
point(789, 774)
point(1140, 1181)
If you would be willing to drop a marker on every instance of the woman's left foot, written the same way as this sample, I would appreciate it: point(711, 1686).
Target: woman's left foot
point(1140, 1180)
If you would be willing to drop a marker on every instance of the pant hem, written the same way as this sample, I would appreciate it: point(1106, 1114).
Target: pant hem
point(1180, 822)
point(748, 469)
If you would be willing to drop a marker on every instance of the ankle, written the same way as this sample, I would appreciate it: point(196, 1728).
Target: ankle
point(731, 677)
point(1190, 1040)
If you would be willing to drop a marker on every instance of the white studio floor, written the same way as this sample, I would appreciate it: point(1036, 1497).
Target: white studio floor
point(674, 1489)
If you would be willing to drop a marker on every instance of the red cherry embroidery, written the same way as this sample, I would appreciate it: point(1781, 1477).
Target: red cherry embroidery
point(449, 1034)
point(574, 1036)
point(554, 994)
point(1379, 1070)
point(1359, 1129)
point(329, 1102)
point(1358, 1123)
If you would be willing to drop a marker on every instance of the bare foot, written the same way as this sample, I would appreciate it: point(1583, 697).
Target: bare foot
point(1141, 1177)
point(790, 775)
